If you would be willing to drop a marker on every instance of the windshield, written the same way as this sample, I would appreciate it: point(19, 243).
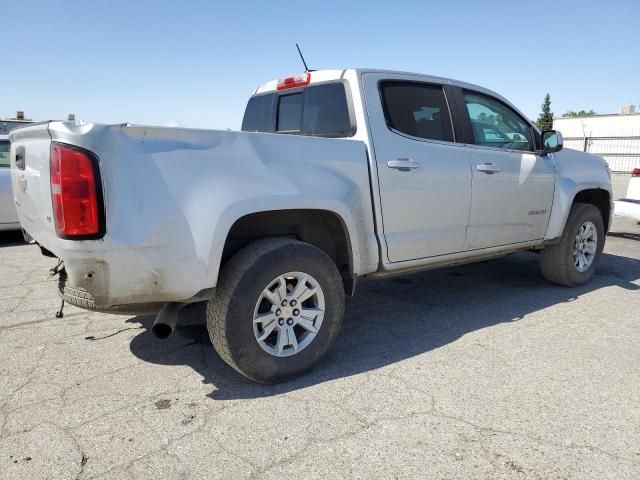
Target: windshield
point(4, 153)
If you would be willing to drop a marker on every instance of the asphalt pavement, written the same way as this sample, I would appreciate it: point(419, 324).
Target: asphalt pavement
point(479, 371)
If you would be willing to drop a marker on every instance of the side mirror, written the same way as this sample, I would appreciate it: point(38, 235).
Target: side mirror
point(551, 141)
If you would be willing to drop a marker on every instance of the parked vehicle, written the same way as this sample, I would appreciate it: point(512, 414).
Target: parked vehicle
point(379, 173)
point(629, 206)
point(8, 213)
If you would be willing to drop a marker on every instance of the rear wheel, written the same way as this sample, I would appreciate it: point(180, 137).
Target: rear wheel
point(574, 258)
point(278, 307)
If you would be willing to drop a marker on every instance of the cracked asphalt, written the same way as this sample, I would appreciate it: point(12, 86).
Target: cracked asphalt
point(478, 371)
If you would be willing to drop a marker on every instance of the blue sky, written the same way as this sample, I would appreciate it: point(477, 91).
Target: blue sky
point(197, 62)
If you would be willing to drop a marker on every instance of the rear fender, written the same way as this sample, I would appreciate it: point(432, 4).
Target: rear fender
point(274, 203)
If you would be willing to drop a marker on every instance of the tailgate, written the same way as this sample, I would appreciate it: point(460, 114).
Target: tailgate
point(30, 151)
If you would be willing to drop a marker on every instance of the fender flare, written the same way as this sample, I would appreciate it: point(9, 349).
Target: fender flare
point(561, 206)
point(238, 210)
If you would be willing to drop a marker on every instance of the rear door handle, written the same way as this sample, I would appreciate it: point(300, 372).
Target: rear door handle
point(403, 164)
point(489, 168)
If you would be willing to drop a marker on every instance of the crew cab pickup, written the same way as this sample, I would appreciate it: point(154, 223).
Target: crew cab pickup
point(336, 175)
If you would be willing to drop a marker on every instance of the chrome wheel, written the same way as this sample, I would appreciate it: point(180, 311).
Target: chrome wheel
point(288, 314)
point(585, 246)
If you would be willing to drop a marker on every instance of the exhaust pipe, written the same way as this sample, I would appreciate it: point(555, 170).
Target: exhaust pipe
point(165, 322)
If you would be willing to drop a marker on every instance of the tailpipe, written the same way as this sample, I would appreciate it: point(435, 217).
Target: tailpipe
point(165, 322)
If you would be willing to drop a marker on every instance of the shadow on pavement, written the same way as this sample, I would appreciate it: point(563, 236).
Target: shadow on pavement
point(394, 319)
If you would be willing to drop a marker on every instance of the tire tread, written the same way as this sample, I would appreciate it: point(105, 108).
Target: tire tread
point(557, 267)
point(79, 297)
point(231, 274)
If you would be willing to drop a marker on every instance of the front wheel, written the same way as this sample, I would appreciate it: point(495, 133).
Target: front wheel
point(574, 258)
point(278, 308)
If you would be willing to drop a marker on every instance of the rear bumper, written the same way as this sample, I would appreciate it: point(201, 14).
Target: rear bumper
point(105, 276)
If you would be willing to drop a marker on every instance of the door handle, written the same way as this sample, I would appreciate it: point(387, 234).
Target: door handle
point(489, 168)
point(403, 164)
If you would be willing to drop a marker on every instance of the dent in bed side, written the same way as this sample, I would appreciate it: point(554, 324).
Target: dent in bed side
point(575, 172)
point(352, 214)
point(165, 235)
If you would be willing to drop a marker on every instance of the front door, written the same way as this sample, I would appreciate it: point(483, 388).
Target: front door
point(512, 185)
point(424, 176)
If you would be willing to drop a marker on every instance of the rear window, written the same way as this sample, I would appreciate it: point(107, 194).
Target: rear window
point(4, 153)
point(321, 110)
point(289, 113)
point(257, 117)
point(326, 111)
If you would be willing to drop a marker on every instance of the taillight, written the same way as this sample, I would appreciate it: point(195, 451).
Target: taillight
point(75, 192)
point(294, 81)
point(635, 172)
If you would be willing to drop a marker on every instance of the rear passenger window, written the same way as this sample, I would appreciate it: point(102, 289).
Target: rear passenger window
point(259, 113)
point(418, 110)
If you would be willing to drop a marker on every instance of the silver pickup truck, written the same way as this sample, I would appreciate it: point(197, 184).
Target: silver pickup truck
point(336, 174)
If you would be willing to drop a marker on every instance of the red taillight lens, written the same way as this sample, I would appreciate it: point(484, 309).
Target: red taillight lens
point(295, 81)
point(635, 172)
point(74, 192)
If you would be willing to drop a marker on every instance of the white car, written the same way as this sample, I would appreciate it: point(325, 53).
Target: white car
point(630, 205)
point(8, 213)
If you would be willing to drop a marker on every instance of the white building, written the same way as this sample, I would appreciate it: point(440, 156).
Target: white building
point(615, 137)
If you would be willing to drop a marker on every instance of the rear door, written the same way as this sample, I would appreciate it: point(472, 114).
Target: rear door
point(512, 185)
point(424, 175)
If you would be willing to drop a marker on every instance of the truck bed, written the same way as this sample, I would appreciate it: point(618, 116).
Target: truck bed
point(172, 194)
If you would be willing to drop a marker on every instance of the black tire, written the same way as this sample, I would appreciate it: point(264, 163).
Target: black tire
point(557, 260)
point(242, 280)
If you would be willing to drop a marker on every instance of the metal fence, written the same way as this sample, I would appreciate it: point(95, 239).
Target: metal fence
point(621, 153)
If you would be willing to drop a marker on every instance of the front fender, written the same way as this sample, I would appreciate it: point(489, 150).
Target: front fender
point(575, 172)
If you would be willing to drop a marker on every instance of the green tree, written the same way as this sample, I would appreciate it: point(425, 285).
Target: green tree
point(581, 113)
point(545, 119)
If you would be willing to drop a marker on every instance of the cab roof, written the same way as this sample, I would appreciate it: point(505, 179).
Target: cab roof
point(319, 76)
